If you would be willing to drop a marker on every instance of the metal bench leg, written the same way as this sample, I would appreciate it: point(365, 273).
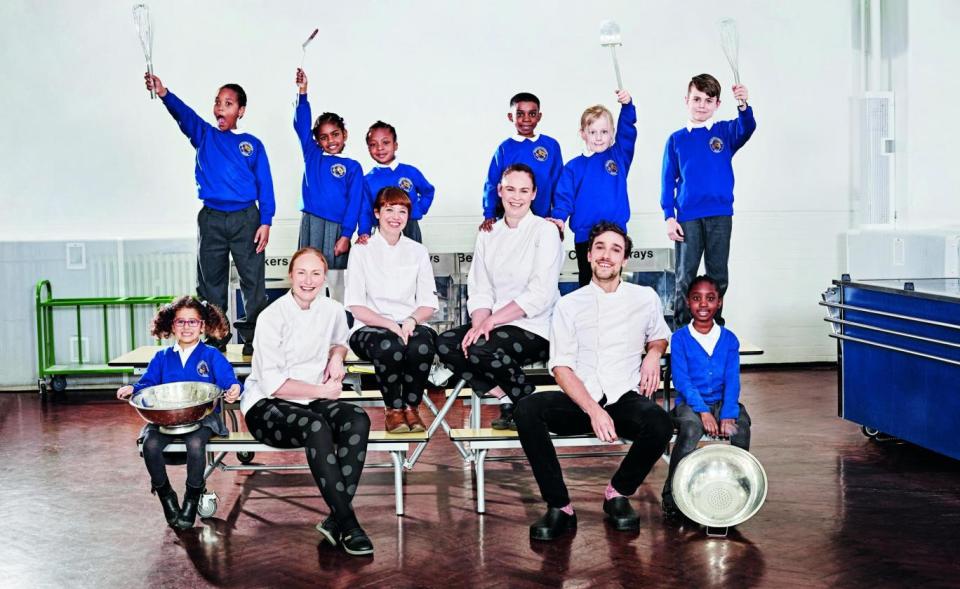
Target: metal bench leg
point(475, 408)
point(437, 422)
point(481, 494)
point(446, 427)
point(397, 458)
point(212, 463)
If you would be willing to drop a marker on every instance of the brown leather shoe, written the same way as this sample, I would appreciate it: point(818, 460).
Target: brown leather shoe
point(412, 416)
point(394, 422)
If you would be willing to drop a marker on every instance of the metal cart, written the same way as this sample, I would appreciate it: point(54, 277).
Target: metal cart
point(51, 375)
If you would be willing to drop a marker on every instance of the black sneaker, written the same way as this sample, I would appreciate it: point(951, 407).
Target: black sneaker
point(553, 524)
point(330, 530)
point(356, 542)
point(505, 421)
point(621, 514)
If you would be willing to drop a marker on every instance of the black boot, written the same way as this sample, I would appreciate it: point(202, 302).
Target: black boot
point(168, 499)
point(505, 421)
point(188, 513)
point(245, 331)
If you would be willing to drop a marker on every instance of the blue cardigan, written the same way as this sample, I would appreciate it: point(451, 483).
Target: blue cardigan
point(701, 380)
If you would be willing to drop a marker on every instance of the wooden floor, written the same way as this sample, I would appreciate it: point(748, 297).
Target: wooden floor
point(842, 511)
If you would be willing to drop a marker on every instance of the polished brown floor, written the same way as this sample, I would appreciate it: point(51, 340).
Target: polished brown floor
point(842, 511)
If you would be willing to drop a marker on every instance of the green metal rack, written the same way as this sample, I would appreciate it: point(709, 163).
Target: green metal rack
point(47, 365)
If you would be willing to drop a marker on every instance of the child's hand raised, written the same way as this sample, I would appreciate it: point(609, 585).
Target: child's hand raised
point(125, 392)
point(153, 83)
point(741, 94)
point(487, 225)
point(363, 238)
point(301, 81)
point(623, 97)
point(232, 394)
point(674, 231)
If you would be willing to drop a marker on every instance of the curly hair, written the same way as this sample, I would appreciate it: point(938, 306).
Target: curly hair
point(328, 117)
point(214, 322)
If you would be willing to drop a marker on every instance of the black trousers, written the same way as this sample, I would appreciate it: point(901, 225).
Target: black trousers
point(497, 361)
point(196, 441)
point(635, 418)
point(334, 435)
point(690, 430)
point(401, 370)
point(583, 265)
point(219, 236)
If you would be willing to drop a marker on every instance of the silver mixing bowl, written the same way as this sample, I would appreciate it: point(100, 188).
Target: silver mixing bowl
point(719, 486)
point(176, 407)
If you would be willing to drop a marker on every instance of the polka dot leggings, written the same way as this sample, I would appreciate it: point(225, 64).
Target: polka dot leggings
point(495, 362)
point(334, 435)
point(401, 370)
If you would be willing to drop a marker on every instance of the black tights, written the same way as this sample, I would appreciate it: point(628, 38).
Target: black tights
point(401, 370)
point(334, 434)
point(196, 441)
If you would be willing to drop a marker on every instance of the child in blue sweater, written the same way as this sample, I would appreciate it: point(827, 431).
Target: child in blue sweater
point(234, 182)
point(189, 360)
point(332, 186)
point(697, 190)
point(382, 144)
point(705, 362)
point(539, 152)
point(593, 186)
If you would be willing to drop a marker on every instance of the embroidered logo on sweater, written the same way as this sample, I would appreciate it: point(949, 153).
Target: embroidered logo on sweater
point(405, 183)
point(246, 148)
point(202, 368)
point(540, 153)
point(338, 170)
point(611, 167)
point(716, 144)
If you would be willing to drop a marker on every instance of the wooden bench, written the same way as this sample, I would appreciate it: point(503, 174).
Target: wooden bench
point(245, 446)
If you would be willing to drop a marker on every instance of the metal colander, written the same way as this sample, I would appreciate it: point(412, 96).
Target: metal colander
point(719, 486)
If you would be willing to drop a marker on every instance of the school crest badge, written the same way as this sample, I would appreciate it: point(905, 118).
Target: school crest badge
point(203, 369)
point(338, 170)
point(611, 167)
point(540, 153)
point(716, 144)
point(405, 183)
point(246, 148)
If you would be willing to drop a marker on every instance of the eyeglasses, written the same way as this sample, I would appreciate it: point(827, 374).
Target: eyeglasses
point(187, 322)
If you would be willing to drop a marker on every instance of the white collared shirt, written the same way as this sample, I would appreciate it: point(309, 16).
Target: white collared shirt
point(184, 352)
point(521, 265)
point(708, 341)
point(520, 138)
point(602, 336)
point(291, 342)
point(392, 165)
point(691, 125)
point(391, 280)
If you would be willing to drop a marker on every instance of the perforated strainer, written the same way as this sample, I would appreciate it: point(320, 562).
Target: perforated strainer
point(719, 486)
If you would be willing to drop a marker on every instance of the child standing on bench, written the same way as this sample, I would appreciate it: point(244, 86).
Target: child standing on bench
point(333, 189)
point(188, 360)
point(705, 360)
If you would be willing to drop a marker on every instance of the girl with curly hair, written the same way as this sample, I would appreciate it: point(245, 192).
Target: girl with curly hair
point(191, 360)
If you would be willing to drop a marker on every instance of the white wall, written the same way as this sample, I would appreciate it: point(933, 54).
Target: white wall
point(88, 155)
point(931, 88)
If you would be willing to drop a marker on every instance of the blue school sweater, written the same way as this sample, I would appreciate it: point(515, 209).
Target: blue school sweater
point(698, 168)
point(594, 188)
point(332, 184)
point(544, 158)
point(404, 176)
point(205, 364)
point(232, 170)
point(700, 379)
